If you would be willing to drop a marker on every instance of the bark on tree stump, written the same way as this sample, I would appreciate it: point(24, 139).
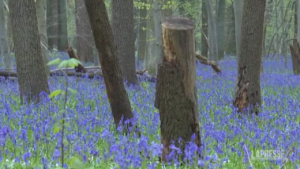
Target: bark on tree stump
point(175, 95)
point(295, 52)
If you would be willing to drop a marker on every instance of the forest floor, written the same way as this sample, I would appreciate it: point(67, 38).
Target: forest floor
point(30, 135)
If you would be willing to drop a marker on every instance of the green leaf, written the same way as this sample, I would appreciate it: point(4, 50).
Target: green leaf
point(73, 91)
point(63, 64)
point(75, 163)
point(54, 62)
point(74, 62)
point(55, 129)
point(55, 93)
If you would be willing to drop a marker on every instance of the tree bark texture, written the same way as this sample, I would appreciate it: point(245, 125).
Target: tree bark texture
point(175, 95)
point(123, 30)
point(42, 26)
point(295, 52)
point(31, 72)
point(249, 62)
point(230, 47)
point(84, 36)
point(204, 32)
point(52, 27)
point(103, 35)
point(62, 25)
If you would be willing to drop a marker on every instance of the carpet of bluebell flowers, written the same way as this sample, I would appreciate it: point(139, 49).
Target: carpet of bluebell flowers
point(27, 137)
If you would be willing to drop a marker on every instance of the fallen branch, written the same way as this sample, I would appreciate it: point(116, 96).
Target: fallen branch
point(203, 60)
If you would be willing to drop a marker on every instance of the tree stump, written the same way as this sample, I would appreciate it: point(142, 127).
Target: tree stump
point(175, 95)
point(295, 52)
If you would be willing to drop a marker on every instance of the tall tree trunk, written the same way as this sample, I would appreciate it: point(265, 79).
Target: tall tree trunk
point(31, 73)
point(104, 40)
point(84, 36)
point(296, 66)
point(157, 32)
point(248, 80)
point(4, 48)
point(150, 43)
point(42, 26)
point(62, 25)
point(220, 27)
point(231, 46)
point(142, 32)
point(52, 27)
point(213, 43)
point(238, 13)
point(204, 30)
point(123, 30)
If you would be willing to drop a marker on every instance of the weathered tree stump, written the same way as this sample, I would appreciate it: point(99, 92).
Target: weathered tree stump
point(175, 95)
point(295, 52)
point(79, 68)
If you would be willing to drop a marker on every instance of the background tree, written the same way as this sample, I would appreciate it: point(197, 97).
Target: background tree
point(4, 48)
point(84, 36)
point(103, 35)
point(52, 26)
point(220, 27)
point(42, 26)
point(123, 30)
point(238, 13)
point(62, 25)
point(31, 73)
point(204, 30)
point(212, 41)
point(249, 62)
point(142, 37)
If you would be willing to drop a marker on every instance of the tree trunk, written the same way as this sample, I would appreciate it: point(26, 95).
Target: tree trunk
point(230, 33)
point(148, 62)
point(103, 36)
point(84, 35)
point(296, 66)
point(212, 41)
point(31, 73)
point(175, 95)
point(42, 26)
point(238, 13)
point(52, 27)
point(4, 48)
point(204, 32)
point(62, 25)
point(123, 30)
point(157, 33)
point(220, 28)
point(249, 62)
point(142, 32)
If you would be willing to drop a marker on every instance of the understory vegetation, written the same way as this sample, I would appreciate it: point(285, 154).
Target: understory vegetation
point(30, 135)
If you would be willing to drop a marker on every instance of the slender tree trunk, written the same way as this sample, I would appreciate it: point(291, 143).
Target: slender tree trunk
point(142, 32)
point(231, 46)
point(296, 66)
point(42, 26)
point(249, 63)
point(150, 43)
point(238, 13)
point(104, 40)
point(157, 32)
point(31, 73)
point(204, 30)
point(4, 48)
point(62, 26)
point(220, 28)
point(52, 27)
point(123, 30)
point(213, 43)
point(84, 36)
